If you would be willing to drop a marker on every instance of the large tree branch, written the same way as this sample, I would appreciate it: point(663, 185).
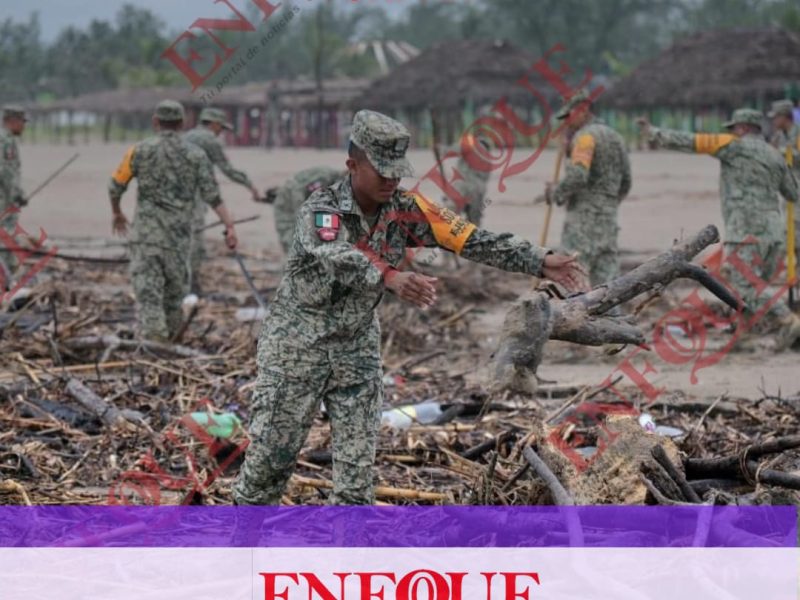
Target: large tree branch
point(536, 318)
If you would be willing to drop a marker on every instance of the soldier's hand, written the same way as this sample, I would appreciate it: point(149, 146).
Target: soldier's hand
point(417, 289)
point(566, 271)
point(119, 224)
point(230, 238)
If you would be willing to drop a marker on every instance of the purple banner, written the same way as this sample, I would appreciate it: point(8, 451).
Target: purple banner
point(368, 526)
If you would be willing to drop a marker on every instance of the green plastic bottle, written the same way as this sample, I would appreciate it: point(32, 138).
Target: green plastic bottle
point(220, 426)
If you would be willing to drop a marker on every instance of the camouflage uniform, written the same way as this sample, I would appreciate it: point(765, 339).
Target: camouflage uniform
point(321, 338)
point(472, 188)
point(171, 174)
point(292, 195)
point(752, 176)
point(11, 194)
point(210, 143)
point(597, 179)
point(788, 144)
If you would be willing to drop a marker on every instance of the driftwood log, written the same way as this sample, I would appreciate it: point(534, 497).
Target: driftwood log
point(537, 318)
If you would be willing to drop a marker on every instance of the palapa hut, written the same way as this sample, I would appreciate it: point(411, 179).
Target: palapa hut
point(453, 76)
point(123, 111)
point(713, 71)
point(264, 114)
point(301, 115)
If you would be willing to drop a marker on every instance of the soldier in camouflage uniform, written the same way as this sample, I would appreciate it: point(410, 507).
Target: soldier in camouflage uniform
point(321, 338)
point(290, 196)
point(11, 195)
point(753, 175)
point(206, 135)
point(786, 138)
point(472, 188)
point(171, 174)
point(597, 179)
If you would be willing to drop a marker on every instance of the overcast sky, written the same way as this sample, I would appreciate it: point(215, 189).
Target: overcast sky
point(54, 15)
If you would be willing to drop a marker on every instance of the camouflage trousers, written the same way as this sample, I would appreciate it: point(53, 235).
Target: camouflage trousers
point(160, 279)
point(763, 261)
point(8, 260)
point(198, 252)
point(292, 382)
point(595, 241)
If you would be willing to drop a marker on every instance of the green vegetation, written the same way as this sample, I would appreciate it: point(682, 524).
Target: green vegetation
point(608, 36)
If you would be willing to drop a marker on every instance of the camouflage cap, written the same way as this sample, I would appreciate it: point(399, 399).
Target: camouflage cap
point(14, 111)
point(781, 107)
point(384, 141)
point(578, 98)
point(169, 110)
point(746, 116)
point(215, 115)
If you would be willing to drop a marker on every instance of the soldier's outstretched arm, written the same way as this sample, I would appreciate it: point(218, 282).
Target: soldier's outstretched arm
point(319, 234)
point(217, 155)
point(432, 225)
point(684, 141)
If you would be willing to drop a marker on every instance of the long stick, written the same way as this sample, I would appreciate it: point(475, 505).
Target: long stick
point(55, 174)
point(250, 281)
point(218, 223)
point(791, 257)
point(549, 213)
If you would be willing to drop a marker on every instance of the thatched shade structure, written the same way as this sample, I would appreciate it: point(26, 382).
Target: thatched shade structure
point(280, 112)
point(450, 74)
point(713, 69)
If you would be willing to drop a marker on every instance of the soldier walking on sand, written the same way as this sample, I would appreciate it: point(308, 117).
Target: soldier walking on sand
point(171, 174)
point(597, 179)
point(206, 135)
point(752, 177)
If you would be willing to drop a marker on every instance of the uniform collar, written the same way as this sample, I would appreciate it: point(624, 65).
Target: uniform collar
point(349, 206)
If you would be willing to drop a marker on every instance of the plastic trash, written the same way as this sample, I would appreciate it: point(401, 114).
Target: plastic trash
point(647, 422)
point(667, 431)
point(220, 426)
point(404, 417)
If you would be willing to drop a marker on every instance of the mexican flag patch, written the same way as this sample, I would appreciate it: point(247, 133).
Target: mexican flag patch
point(327, 225)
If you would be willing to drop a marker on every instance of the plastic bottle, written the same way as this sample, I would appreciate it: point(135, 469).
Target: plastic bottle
point(220, 426)
point(404, 417)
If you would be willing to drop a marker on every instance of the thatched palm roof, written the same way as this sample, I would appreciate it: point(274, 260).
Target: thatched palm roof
point(713, 69)
point(451, 73)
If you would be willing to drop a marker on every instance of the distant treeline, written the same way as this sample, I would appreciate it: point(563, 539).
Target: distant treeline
point(607, 36)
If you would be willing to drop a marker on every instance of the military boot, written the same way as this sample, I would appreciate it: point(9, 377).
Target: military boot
point(788, 334)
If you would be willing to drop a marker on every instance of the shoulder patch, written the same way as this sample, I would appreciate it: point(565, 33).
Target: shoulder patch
point(327, 225)
point(583, 150)
point(9, 152)
point(449, 229)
